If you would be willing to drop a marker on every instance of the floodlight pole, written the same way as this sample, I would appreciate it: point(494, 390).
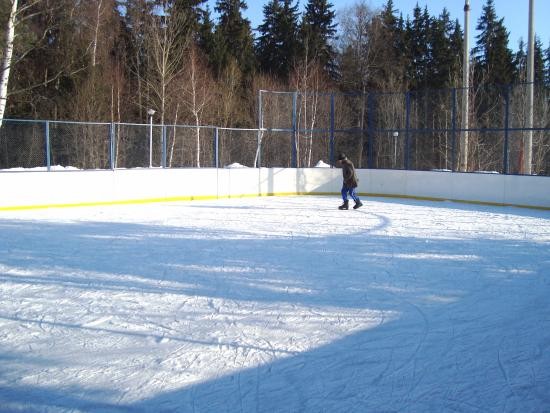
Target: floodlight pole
point(465, 87)
point(528, 143)
point(150, 112)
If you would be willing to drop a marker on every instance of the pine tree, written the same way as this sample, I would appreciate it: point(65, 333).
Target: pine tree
point(205, 35)
point(318, 30)
point(445, 42)
point(547, 67)
point(493, 59)
point(417, 37)
point(233, 37)
point(393, 52)
point(277, 45)
point(520, 62)
point(539, 61)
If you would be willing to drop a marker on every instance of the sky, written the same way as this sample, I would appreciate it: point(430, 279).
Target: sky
point(514, 12)
point(275, 304)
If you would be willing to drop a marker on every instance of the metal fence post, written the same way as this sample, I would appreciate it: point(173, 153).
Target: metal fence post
point(370, 130)
point(163, 160)
point(48, 150)
point(112, 146)
point(453, 133)
point(505, 166)
point(331, 129)
point(258, 162)
point(294, 161)
point(216, 147)
point(407, 130)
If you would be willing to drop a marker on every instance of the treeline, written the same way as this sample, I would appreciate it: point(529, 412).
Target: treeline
point(112, 60)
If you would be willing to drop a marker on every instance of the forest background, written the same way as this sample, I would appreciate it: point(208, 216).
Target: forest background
point(111, 60)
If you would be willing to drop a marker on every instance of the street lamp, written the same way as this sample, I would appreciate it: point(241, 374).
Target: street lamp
point(395, 136)
point(150, 112)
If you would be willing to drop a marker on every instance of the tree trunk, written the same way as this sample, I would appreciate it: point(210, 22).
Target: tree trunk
point(6, 63)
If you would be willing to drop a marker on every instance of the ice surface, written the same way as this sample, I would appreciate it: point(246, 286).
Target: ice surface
point(275, 304)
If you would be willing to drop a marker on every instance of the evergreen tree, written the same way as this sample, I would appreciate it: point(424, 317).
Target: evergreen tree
point(445, 44)
point(318, 30)
point(547, 66)
point(539, 61)
point(520, 62)
point(393, 51)
point(277, 44)
point(493, 59)
point(233, 37)
point(205, 35)
point(417, 38)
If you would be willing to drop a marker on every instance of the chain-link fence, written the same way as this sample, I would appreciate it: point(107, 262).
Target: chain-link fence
point(424, 130)
point(414, 130)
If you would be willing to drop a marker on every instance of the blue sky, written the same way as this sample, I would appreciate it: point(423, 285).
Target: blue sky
point(515, 13)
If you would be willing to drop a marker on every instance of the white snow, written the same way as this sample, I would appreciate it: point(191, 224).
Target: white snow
point(275, 304)
point(42, 169)
point(235, 165)
point(322, 164)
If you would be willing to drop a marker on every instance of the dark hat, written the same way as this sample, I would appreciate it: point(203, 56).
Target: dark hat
point(342, 156)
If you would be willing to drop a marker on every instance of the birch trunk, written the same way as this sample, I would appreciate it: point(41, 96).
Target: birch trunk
point(6, 62)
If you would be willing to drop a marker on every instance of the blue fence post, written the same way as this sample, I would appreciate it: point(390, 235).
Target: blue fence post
point(453, 133)
point(331, 155)
point(370, 129)
point(216, 147)
point(48, 150)
point(260, 127)
point(294, 161)
point(407, 130)
point(505, 166)
point(112, 146)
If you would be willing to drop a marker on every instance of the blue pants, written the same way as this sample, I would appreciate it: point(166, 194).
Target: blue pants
point(351, 192)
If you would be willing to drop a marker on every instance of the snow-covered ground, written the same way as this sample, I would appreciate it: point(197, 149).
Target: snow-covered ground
point(278, 304)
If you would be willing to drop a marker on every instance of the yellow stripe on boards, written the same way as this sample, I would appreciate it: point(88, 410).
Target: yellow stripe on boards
point(212, 197)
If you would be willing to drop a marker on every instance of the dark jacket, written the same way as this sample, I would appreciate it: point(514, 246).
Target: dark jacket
point(348, 173)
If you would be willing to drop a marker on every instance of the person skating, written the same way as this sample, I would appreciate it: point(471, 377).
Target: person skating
point(350, 182)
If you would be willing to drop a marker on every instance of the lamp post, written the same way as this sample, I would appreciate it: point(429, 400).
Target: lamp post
point(528, 143)
point(463, 167)
point(395, 136)
point(150, 112)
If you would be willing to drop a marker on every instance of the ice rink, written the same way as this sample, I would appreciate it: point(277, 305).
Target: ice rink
point(275, 304)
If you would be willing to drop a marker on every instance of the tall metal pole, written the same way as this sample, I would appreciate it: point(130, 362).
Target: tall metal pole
point(257, 159)
point(150, 112)
point(465, 89)
point(294, 161)
point(528, 142)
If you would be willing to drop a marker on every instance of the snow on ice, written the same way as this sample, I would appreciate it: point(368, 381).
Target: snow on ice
point(275, 304)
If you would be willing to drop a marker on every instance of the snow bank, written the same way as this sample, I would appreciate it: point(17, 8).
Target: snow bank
point(235, 165)
point(322, 164)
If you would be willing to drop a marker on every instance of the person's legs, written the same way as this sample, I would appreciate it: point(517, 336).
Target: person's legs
point(353, 194)
point(344, 193)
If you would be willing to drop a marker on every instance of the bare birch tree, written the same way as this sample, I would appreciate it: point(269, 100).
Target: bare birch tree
point(197, 93)
point(166, 40)
point(7, 59)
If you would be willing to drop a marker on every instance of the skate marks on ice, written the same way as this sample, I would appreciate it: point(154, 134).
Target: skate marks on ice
point(272, 305)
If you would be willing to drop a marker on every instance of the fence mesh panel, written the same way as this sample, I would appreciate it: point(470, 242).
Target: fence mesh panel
point(189, 146)
point(133, 143)
point(80, 145)
point(422, 130)
point(22, 144)
point(276, 149)
point(237, 147)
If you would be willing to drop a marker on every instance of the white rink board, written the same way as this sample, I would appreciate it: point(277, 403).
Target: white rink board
point(65, 188)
